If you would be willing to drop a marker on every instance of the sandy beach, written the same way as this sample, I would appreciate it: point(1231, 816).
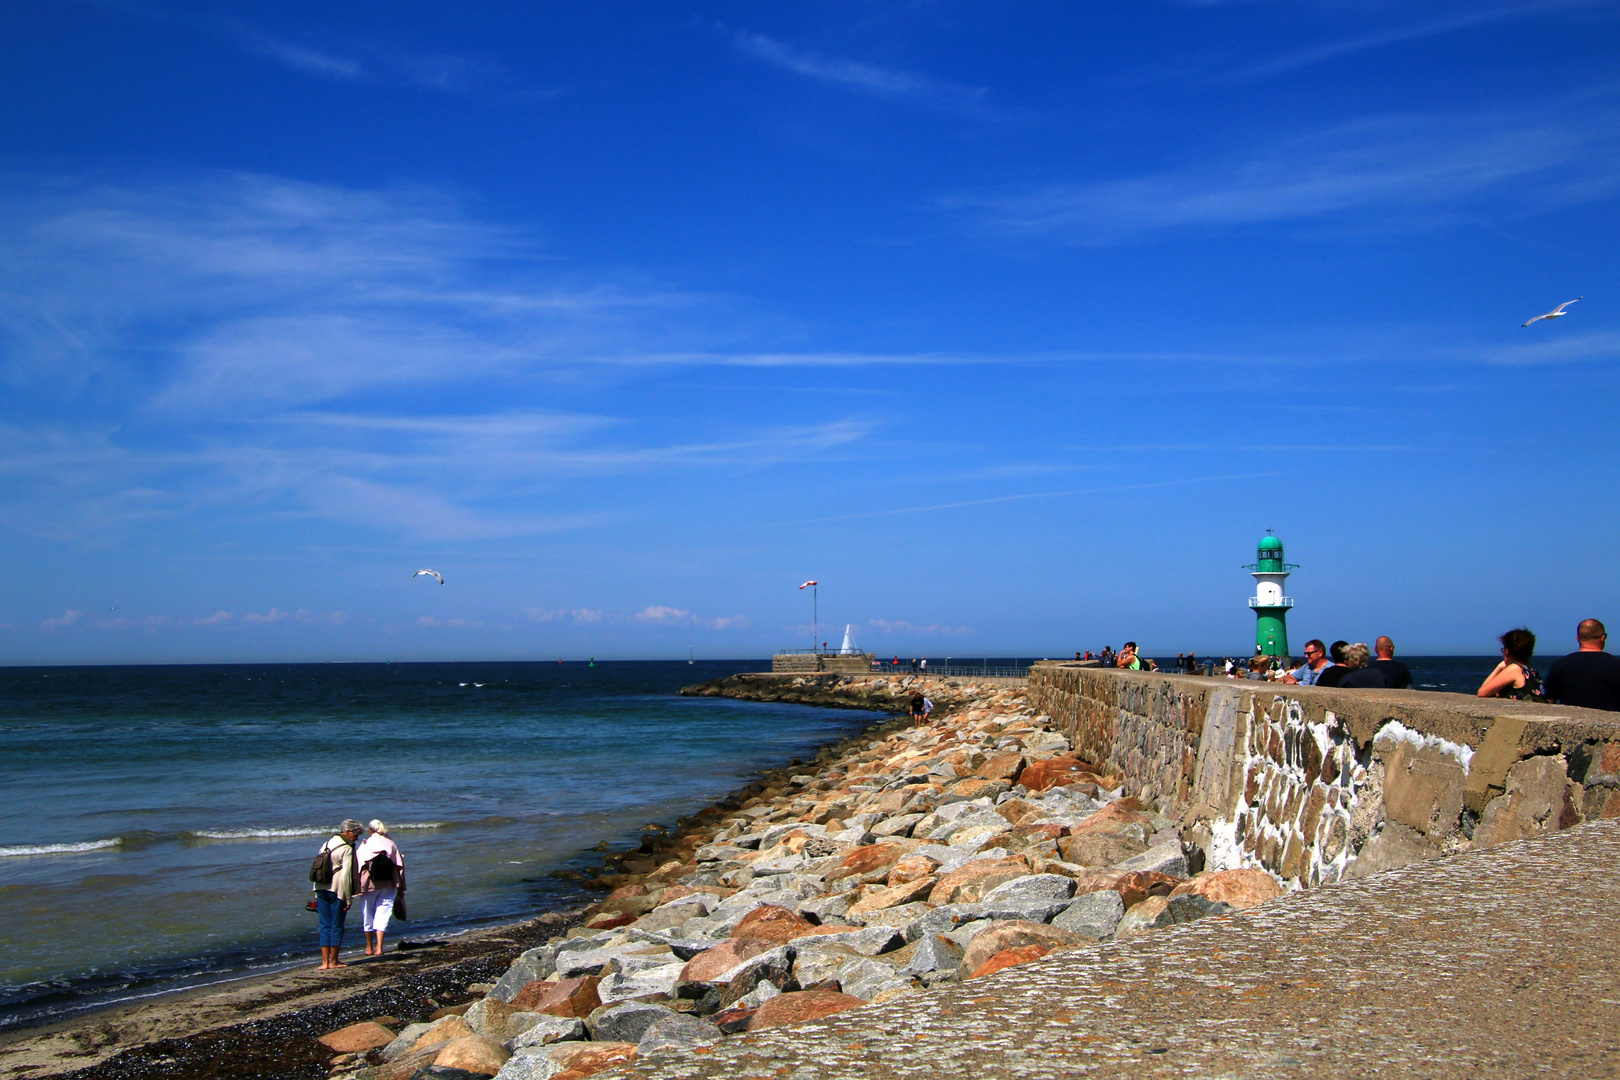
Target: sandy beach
point(266, 1025)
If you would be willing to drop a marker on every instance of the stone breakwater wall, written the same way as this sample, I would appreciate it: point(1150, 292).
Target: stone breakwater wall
point(913, 856)
point(1317, 784)
point(874, 692)
point(1015, 822)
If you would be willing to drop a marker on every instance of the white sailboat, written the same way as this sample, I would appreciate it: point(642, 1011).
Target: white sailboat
point(848, 647)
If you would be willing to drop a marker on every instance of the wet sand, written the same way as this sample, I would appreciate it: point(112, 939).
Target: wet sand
point(266, 1026)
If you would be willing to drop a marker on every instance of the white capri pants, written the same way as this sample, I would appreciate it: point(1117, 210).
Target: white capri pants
point(376, 908)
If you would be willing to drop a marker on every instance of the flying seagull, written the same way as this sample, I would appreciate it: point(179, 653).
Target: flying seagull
point(430, 573)
point(1557, 312)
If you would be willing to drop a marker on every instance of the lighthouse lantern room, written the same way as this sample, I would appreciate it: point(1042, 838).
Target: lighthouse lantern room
point(1269, 604)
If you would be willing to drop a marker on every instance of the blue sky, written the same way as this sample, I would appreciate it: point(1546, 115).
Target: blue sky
point(1015, 325)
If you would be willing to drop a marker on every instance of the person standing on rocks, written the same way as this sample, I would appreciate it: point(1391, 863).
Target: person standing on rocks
point(333, 894)
point(382, 879)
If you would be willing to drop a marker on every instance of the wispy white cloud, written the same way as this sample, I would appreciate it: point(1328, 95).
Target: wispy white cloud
point(375, 60)
point(664, 616)
point(308, 618)
point(1480, 15)
point(66, 619)
point(240, 331)
point(668, 616)
point(578, 616)
point(1371, 175)
point(885, 83)
point(72, 618)
point(889, 628)
point(457, 623)
point(301, 57)
point(1580, 348)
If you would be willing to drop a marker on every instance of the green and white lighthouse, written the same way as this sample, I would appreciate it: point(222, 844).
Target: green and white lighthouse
point(1269, 604)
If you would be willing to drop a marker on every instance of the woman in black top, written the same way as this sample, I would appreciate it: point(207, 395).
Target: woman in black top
point(1514, 677)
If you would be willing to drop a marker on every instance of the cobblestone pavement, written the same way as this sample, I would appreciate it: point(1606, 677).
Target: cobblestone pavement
point(1503, 962)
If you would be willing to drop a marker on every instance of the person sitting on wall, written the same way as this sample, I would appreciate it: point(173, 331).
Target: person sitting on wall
point(1397, 676)
point(1316, 662)
point(1589, 678)
point(1514, 677)
point(1331, 675)
point(1128, 660)
point(1361, 676)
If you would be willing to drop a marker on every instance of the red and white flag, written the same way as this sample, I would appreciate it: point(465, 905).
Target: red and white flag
point(807, 584)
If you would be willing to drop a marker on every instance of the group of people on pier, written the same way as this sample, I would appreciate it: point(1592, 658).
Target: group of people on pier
point(1588, 678)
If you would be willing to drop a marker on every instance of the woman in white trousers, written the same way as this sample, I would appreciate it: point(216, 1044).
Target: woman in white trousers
point(382, 879)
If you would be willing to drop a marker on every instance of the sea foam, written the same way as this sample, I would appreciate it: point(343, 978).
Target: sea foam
point(59, 849)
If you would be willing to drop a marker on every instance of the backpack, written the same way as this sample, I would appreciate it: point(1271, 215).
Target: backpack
point(381, 869)
point(320, 869)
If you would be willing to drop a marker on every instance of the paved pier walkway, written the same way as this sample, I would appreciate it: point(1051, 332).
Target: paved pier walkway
point(1501, 963)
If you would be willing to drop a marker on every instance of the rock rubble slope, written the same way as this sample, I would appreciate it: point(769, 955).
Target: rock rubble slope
point(918, 857)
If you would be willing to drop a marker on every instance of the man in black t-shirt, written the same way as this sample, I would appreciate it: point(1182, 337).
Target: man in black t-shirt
point(1589, 679)
point(1396, 674)
point(1336, 670)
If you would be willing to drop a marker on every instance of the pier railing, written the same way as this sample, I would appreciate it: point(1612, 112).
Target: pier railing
point(967, 671)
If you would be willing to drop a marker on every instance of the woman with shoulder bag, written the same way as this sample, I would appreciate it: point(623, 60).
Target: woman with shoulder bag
point(382, 880)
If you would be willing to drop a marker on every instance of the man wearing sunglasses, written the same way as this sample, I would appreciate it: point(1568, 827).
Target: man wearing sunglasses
point(1316, 662)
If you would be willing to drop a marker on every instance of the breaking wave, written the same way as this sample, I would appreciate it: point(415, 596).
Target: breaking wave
point(59, 849)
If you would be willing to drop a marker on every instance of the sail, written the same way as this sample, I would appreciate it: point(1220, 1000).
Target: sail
point(848, 647)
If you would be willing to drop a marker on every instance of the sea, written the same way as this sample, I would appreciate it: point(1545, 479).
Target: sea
point(157, 822)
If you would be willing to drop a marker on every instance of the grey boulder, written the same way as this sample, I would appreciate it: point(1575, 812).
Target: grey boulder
point(403, 1042)
point(1162, 858)
point(1191, 907)
point(1033, 887)
point(1095, 914)
point(532, 965)
point(676, 1031)
point(624, 1021)
point(934, 953)
point(530, 1063)
point(943, 920)
point(539, 1029)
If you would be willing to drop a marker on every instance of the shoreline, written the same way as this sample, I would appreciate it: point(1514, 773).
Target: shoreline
point(185, 1025)
point(287, 1008)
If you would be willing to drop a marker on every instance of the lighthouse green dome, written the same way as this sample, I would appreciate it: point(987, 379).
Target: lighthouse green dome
point(1270, 543)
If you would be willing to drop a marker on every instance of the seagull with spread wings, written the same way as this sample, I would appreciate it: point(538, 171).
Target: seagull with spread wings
point(1557, 312)
point(429, 573)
